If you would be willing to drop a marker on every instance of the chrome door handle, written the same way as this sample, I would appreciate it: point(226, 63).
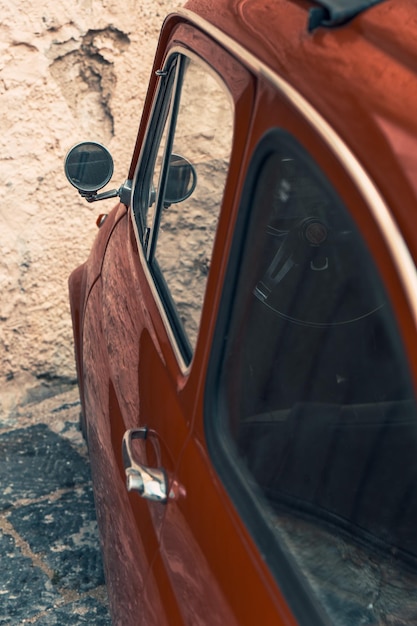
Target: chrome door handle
point(150, 483)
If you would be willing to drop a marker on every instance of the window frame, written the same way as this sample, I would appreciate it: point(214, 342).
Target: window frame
point(234, 477)
point(164, 113)
point(171, 121)
point(146, 162)
point(238, 481)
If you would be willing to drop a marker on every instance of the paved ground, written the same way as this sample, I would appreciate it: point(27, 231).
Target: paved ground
point(51, 571)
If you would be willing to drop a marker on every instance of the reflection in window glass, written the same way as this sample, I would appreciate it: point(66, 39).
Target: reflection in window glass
point(188, 219)
point(156, 179)
point(319, 406)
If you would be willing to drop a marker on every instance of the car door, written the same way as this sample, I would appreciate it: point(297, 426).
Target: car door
point(300, 471)
point(150, 297)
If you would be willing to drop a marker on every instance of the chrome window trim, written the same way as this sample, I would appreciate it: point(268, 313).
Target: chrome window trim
point(400, 253)
point(184, 367)
point(172, 115)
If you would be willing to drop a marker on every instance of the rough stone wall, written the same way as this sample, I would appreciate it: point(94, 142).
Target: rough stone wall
point(69, 71)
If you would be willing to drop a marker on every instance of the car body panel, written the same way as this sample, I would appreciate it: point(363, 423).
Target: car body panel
point(369, 117)
point(195, 560)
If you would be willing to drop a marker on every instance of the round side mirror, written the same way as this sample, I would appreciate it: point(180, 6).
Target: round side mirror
point(182, 179)
point(89, 166)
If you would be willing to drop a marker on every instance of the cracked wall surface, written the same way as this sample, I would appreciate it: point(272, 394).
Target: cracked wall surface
point(85, 72)
point(68, 72)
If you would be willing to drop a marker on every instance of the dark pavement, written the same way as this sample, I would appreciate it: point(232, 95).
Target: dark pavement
point(51, 570)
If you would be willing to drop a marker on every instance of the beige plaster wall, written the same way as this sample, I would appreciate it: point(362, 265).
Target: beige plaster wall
point(69, 71)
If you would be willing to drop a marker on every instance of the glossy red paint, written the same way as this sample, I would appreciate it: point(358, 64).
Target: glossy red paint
point(377, 50)
point(193, 560)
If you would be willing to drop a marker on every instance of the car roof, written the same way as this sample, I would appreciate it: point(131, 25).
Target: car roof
point(360, 76)
point(336, 12)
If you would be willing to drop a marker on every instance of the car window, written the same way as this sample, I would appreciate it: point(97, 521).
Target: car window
point(314, 398)
point(186, 177)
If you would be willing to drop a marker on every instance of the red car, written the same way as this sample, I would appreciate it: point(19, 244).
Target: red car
point(246, 323)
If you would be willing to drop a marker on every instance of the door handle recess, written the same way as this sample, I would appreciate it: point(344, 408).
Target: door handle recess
point(150, 483)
